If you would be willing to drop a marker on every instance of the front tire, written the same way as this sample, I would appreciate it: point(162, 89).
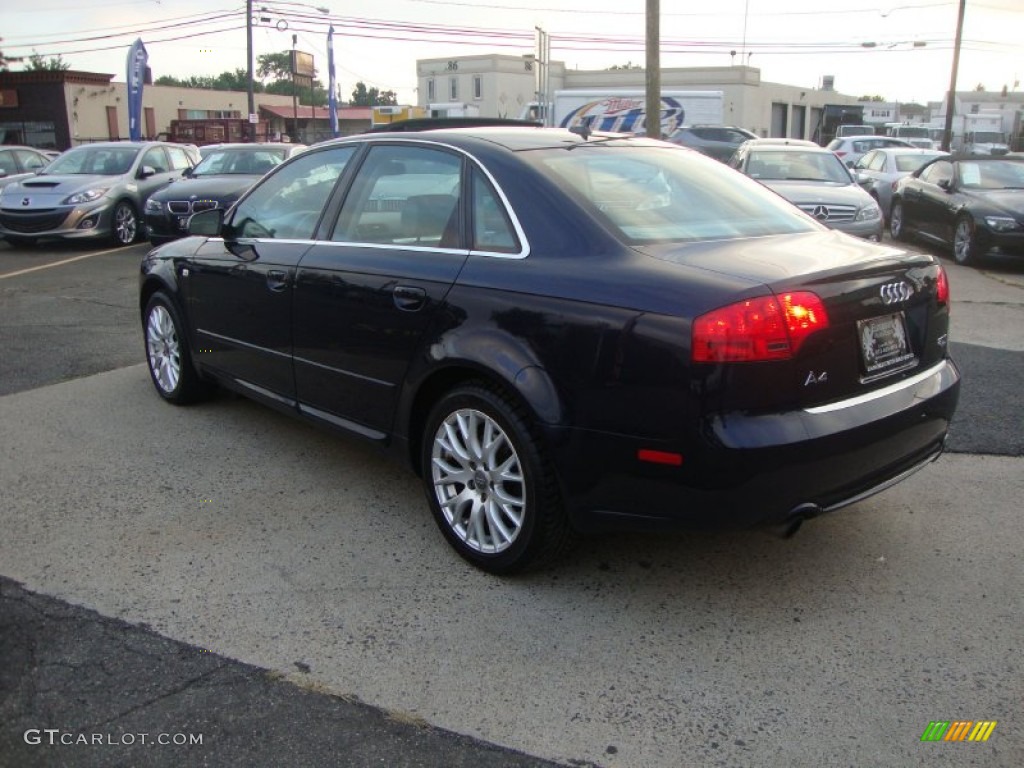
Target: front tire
point(170, 363)
point(896, 227)
point(492, 492)
point(965, 244)
point(125, 225)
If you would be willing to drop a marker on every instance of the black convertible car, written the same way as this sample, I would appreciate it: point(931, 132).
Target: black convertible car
point(974, 205)
point(563, 333)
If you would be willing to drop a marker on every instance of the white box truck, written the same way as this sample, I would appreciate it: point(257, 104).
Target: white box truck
point(625, 110)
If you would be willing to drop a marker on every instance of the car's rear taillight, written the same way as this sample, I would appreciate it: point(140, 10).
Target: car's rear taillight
point(765, 328)
point(942, 288)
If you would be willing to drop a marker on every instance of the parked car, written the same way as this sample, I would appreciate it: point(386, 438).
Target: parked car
point(717, 141)
point(18, 163)
point(973, 204)
point(226, 171)
point(880, 169)
point(92, 191)
point(847, 129)
point(852, 149)
point(814, 180)
point(561, 333)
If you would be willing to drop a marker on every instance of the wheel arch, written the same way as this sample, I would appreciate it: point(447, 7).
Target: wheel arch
point(153, 283)
point(529, 386)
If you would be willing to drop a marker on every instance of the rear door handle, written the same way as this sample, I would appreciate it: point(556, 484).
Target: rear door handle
point(277, 280)
point(409, 298)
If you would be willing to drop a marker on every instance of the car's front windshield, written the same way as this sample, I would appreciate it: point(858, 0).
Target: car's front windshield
point(253, 162)
point(992, 174)
point(797, 165)
point(93, 161)
point(655, 194)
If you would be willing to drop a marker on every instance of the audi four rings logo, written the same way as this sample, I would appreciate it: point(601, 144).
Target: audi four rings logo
point(820, 212)
point(894, 293)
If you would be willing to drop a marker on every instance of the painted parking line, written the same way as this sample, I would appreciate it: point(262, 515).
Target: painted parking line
point(61, 262)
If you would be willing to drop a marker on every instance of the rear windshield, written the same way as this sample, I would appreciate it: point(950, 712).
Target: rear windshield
point(911, 163)
point(654, 194)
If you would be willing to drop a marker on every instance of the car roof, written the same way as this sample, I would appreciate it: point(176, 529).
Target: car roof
point(769, 141)
point(514, 138)
point(811, 147)
point(897, 142)
point(254, 145)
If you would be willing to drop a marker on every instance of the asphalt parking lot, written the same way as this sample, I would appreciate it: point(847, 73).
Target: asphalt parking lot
point(223, 571)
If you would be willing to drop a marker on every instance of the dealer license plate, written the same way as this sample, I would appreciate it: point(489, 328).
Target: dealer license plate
point(884, 344)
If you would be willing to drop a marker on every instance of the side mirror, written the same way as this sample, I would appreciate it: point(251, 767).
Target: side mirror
point(207, 223)
point(3, 173)
point(863, 179)
point(146, 171)
point(187, 173)
point(945, 184)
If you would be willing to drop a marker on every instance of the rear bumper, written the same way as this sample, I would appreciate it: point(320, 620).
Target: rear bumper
point(750, 471)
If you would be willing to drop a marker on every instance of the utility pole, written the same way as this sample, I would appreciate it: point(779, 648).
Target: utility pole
point(653, 69)
point(947, 134)
point(248, 64)
point(295, 92)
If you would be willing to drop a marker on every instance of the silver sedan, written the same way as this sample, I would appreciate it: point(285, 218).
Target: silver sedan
point(880, 169)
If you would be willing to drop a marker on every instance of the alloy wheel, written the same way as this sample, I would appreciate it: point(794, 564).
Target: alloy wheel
point(126, 226)
point(164, 349)
point(478, 481)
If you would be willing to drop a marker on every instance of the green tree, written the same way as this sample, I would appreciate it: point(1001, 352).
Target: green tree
point(876, 97)
point(372, 97)
point(276, 66)
point(37, 63)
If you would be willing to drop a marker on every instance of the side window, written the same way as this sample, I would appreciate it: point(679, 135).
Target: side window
point(938, 171)
point(155, 159)
point(287, 205)
point(30, 161)
point(877, 162)
point(403, 195)
point(492, 230)
point(179, 158)
point(7, 164)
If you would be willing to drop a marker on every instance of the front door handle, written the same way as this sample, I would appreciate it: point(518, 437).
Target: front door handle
point(409, 298)
point(277, 280)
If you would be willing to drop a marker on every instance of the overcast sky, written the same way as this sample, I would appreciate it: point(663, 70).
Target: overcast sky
point(791, 41)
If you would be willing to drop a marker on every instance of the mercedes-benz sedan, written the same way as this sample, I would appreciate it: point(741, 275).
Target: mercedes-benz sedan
point(562, 333)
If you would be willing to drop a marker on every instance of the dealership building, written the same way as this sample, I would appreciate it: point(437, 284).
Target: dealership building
point(59, 109)
point(500, 85)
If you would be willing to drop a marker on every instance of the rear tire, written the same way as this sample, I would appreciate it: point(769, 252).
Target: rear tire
point(493, 493)
point(170, 362)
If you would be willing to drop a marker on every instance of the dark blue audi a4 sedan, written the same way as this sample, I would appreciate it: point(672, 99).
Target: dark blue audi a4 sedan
point(563, 333)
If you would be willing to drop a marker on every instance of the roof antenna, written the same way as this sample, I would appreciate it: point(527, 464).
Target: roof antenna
point(582, 130)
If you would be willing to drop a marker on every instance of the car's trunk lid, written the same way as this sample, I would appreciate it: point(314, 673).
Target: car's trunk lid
point(884, 318)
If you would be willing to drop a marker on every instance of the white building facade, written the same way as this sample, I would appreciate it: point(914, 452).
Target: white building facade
point(500, 85)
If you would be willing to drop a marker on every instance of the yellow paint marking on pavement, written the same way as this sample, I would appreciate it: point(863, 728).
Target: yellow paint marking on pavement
point(59, 263)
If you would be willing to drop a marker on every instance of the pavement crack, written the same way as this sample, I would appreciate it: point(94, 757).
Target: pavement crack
point(186, 685)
